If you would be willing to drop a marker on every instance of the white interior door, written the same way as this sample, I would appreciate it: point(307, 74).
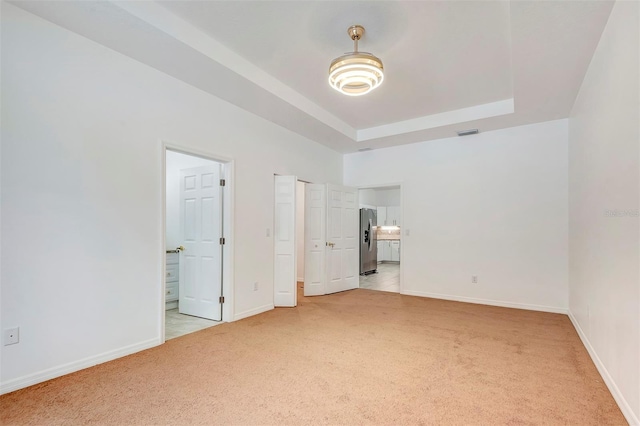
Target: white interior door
point(315, 213)
point(342, 239)
point(200, 285)
point(284, 235)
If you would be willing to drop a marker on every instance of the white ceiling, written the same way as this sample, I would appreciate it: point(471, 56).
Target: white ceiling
point(449, 65)
point(433, 56)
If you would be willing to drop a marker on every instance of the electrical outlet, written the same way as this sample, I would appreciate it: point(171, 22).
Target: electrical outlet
point(407, 232)
point(255, 286)
point(474, 279)
point(11, 336)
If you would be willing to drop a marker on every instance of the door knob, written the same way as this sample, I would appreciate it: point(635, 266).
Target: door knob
point(331, 244)
point(181, 248)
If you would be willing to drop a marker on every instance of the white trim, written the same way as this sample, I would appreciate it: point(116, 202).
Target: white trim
point(196, 152)
point(52, 373)
point(252, 312)
point(402, 247)
point(608, 380)
point(228, 287)
point(463, 115)
point(163, 241)
point(490, 302)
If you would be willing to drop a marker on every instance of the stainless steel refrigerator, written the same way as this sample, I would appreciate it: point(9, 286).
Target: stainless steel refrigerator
point(368, 242)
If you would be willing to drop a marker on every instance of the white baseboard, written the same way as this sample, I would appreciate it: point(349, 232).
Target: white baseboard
point(52, 373)
point(541, 308)
point(253, 312)
point(608, 380)
point(300, 280)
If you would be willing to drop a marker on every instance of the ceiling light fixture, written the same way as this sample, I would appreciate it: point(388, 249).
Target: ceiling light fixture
point(356, 73)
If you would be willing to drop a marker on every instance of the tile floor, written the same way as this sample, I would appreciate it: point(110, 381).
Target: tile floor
point(177, 324)
point(386, 279)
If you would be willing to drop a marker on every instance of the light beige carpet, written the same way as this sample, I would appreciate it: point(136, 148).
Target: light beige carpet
point(358, 357)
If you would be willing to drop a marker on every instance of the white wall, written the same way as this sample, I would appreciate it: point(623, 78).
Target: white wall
point(388, 197)
point(492, 205)
point(379, 196)
point(176, 162)
point(82, 195)
point(604, 174)
point(300, 188)
point(367, 197)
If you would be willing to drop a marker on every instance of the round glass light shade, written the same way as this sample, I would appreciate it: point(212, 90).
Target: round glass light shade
point(356, 74)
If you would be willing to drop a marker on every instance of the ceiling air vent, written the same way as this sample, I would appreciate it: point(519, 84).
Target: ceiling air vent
point(467, 132)
point(364, 149)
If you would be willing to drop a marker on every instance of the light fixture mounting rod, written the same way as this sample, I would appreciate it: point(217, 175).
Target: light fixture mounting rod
point(355, 32)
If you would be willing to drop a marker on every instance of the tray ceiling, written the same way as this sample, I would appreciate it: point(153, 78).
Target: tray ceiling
point(449, 65)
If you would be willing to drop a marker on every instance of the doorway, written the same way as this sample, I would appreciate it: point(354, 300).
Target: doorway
point(195, 240)
point(329, 245)
point(384, 203)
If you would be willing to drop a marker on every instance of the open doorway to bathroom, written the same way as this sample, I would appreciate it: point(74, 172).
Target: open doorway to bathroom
point(193, 232)
point(383, 204)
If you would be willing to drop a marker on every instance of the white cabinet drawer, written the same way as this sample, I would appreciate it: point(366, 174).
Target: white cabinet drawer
point(171, 273)
point(171, 293)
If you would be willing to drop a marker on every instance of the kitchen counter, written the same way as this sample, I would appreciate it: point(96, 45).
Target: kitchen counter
point(388, 234)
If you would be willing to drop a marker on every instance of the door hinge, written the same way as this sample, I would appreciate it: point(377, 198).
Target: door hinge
point(223, 182)
point(221, 299)
point(222, 241)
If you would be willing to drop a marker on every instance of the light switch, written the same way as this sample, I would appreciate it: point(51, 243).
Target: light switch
point(268, 232)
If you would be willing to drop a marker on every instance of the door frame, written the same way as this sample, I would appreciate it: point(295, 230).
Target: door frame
point(228, 206)
point(402, 250)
